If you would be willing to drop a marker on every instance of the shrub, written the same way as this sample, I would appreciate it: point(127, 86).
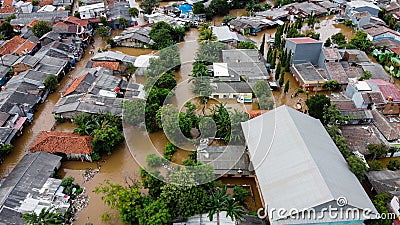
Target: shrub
point(393, 164)
point(170, 149)
point(375, 165)
point(154, 161)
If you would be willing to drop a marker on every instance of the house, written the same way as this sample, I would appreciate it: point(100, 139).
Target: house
point(4, 74)
point(357, 116)
point(136, 38)
point(114, 57)
point(69, 145)
point(8, 60)
point(225, 35)
point(329, 55)
point(246, 25)
point(118, 10)
point(91, 11)
point(49, 17)
point(360, 19)
point(6, 133)
point(142, 62)
point(113, 66)
point(392, 8)
point(385, 181)
point(11, 45)
point(232, 90)
point(379, 32)
point(26, 182)
point(307, 76)
point(242, 64)
point(336, 72)
point(49, 37)
point(364, 96)
point(362, 6)
point(359, 136)
point(224, 219)
point(273, 14)
point(389, 132)
point(62, 3)
point(354, 56)
point(329, 6)
point(389, 91)
point(305, 9)
point(304, 50)
point(296, 172)
point(386, 42)
point(24, 7)
point(68, 29)
point(24, 63)
point(226, 160)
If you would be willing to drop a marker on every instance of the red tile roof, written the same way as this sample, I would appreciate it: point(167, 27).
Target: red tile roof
point(387, 89)
point(7, 9)
point(25, 48)
point(303, 40)
point(107, 65)
point(77, 21)
point(45, 2)
point(62, 142)
point(12, 45)
point(75, 83)
point(60, 24)
point(255, 113)
point(396, 50)
point(7, 3)
point(32, 23)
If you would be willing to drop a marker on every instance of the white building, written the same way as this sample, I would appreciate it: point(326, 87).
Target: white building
point(92, 11)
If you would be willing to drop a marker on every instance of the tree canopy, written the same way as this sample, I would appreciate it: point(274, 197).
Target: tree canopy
point(316, 105)
point(41, 28)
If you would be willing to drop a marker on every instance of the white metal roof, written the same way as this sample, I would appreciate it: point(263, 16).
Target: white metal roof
point(220, 69)
point(143, 61)
point(91, 7)
point(298, 165)
point(223, 33)
point(358, 4)
point(362, 86)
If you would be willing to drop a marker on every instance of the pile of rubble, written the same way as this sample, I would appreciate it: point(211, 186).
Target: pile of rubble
point(80, 201)
point(89, 174)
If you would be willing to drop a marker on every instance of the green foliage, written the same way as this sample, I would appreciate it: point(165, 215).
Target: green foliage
point(35, 2)
point(7, 30)
point(67, 181)
point(240, 194)
point(262, 46)
point(328, 43)
point(154, 160)
point(123, 22)
point(40, 28)
point(220, 201)
point(357, 166)
point(111, 42)
point(262, 88)
point(77, 14)
point(246, 45)
point(155, 213)
point(339, 140)
point(331, 85)
point(134, 111)
point(228, 18)
point(148, 5)
point(5, 149)
point(375, 166)
point(366, 75)
point(316, 105)
point(106, 139)
point(332, 116)
point(393, 164)
point(164, 35)
point(282, 78)
point(361, 42)
point(51, 82)
point(210, 52)
point(46, 216)
point(153, 182)
point(207, 35)
point(219, 7)
point(134, 12)
point(348, 23)
point(377, 150)
point(286, 89)
point(170, 149)
point(198, 8)
point(380, 202)
point(169, 59)
point(10, 17)
point(338, 39)
point(105, 217)
point(102, 31)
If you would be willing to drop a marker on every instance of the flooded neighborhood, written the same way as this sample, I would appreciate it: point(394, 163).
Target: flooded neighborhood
point(199, 112)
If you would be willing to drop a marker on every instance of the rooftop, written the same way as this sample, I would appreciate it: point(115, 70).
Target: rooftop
point(359, 136)
point(308, 73)
point(337, 72)
point(11, 45)
point(332, 54)
point(385, 181)
point(303, 40)
point(388, 90)
point(62, 142)
point(359, 4)
point(383, 125)
point(108, 65)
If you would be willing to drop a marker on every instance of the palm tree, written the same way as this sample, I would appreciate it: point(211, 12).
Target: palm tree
point(234, 210)
point(217, 203)
point(207, 35)
point(46, 216)
point(204, 26)
point(134, 12)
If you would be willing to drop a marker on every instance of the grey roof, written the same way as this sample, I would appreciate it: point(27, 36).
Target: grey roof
point(376, 70)
point(6, 134)
point(48, 60)
point(114, 56)
point(29, 174)
point(336, 72)
point(29, 60)
point(359, 136)
point(250, 22)
point(308, 72)
point(62, 2)
point(4, 70)
point(309, 8)
point(9, 98)
point(34, 75)
point(226, 159)
point(50, 17)
point(118, 10)
point(49, 69)
point(224, 220)
point(385, 181)
point(298, 165)
point(9, 60)
point(232, 87)
point(141, 34)
point(383, 125)
point(273, 14)
point(359, 56)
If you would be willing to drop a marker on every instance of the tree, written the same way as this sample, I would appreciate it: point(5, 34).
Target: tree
point(380, 202)
point(361, 42)
point(246, 45)
point(265, 103)
point(169, 150)
point(40, 28)
point(35, 2)
point(106, 138)
point(219, 7)
point(331, 85)
point(207, 35)
point(155, 213)
point(240, 194)
point(148, 5)
point(236, 135)
point(164, 35)
point(198, 8)
point(261, 88)
point(357, 166)
point(278, 70)
point(338, 39)
point(366, 75)
point(316, 105)
point(234, 210)
point(77, 14)
point(134, 12)
point(273, 60)
point(45, 217)
point(282, 78)
point(262, 46)
point(10, 17)
point(377, 150)
point(7, 30)
point(286, 89)
point(332, 116)
point(134, 111)
point(102, 31)
point(123, 22)
point(51, 83)
point(217, 202)
point(328, 43)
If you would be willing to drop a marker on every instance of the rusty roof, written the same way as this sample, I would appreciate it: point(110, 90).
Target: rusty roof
point(62, 142)
point(358, 136)
point(25, 48)
point(332, 54)
point(106, 64)
point(391, 109)
point(336, 71)
point(77, 21)
point(75, 83)
point(11, 45)
point(7, 3)
point(45, 2)
point(10, 9)
point(396, 50)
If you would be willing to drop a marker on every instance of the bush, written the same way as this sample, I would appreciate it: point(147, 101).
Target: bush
point(170, 149)
point(240, 194)
point(154, 161)
point(67, 181)
point(375, 165)
point(393, 164)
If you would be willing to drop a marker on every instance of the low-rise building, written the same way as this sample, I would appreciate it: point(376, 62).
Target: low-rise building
point(359, 136)
point(273, 14)
point(70, 146)
point(362, 6)
point(308, 77)
point(136, 38)
point(304, 50)
point(379, 32)
point(232, 90)
point(305, 9)
point(246, 25)
point(96, 10)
